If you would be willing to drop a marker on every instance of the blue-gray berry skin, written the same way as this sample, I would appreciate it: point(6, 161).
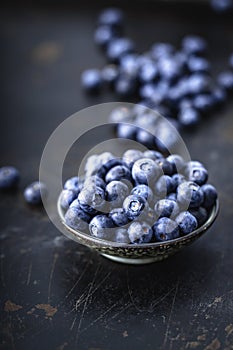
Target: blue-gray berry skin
point(165, 166)
point(121, 235)
point(9, 177)
point(172, 196)
point(111, 17)
point(119, 217)
point(145, 138)
point(165, 229)
point(189, 117)
point(193, 44)
point(199, 175)
point(116, 191)
point(166, 208)
point(74, 184)
point(103, 35)
point(210, 195)
point(198, 64)
point(94, 180)
point(117, 48)
point(221, 6)
point(92, 199)
point(140, 232)
point(109, 164)
point(126, 131)
point(225, 80)
point(189, 195)
point(67, 197)
point(201, 214)
point(143, 191)
point(177, 162)
point(145, 171)
point(204, 103)
point(76, 218)
point(91, 80)
point(118, 173)
point(177, 180)
point(34, 192)
point(161, 49)
point(133, 206)
point(187, 222)
point(164, 186)
point(154, 155)
point(110, 74)
point(130, 156)
point(101, 226)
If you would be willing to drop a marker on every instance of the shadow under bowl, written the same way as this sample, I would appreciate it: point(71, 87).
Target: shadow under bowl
point(136, 253)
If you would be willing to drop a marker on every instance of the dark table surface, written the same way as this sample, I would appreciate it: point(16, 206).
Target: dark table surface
point(56, 294)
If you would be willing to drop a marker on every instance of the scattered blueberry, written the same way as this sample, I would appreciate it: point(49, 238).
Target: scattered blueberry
point(225, 80)
point(9, 177)
point(221, 6)
point(91, 80)
point(112, 17)
point(34, 192)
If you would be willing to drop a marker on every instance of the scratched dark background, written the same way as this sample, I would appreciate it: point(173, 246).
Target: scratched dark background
point(56, 294)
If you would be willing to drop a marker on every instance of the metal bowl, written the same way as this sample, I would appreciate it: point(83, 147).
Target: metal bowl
point(136, 253)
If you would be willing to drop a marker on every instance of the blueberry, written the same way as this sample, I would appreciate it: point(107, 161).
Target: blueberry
point(187, 222)
point(119, 217)
point(34, 192)
point(210, 195)
point(219, 95)
point(204, 102)
point(67, 197)
point(200, 214)
point(130, 156)
point(189, 195)
point(119, 47)
point(225, 80)
point(164, 186)
point(94, 180)
point(177, 180)
point(147, 91)
point(126, 131)
point(199, 175)
point(189, 117)
point(169, 68)
point(145, 138)
point(148, 72)
point(76, 218)
point(95, 162)
point(109, 164)
point(9, 177)
point(143, 191)
point(165, 229)
point(166, 208)
point(74, 184)
point(198, 83)
point(172, 196)
point(92, 199)
point(140, 232)
point(166, 138)
point(154, 155)
point(129, 65)
point(193, 44)
point(125, 86)
point(166, 167)
point(198, 64)
point(91, 80)
point(112, 17)
point(161, 49)
point(121, 236)
point(221, 5)
point(103, 35)
point(99, 226)
point(110, 74)
point(117, 173)
point(145, 171)
point(133, 206)
point(120, 114)
point(116, 191)
point(177, 162)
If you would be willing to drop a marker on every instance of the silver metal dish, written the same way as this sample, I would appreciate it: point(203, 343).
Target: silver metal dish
point(136, 253)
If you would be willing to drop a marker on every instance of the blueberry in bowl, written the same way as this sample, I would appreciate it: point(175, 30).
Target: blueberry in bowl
point(142, 214)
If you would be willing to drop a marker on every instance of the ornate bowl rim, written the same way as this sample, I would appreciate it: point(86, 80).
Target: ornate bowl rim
point(77, 235)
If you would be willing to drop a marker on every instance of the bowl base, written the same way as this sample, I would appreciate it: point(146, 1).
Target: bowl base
point(130, 261)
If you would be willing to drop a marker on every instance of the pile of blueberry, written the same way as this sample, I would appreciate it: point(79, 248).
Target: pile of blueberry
point(139, 198)
point(9, 179)
point(177, 83)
